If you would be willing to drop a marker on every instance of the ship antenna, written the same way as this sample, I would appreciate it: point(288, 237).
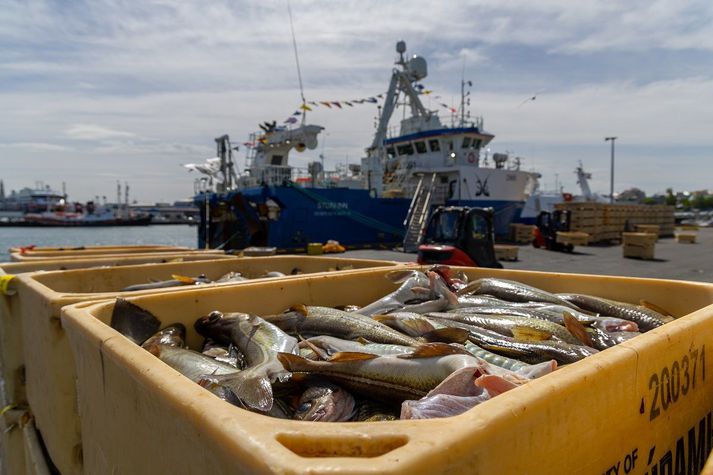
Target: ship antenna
point(297, 61)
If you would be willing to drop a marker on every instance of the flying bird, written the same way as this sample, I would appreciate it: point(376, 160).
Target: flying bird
point(534, 96)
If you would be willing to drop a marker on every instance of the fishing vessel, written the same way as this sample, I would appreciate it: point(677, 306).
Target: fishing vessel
point(384, 200)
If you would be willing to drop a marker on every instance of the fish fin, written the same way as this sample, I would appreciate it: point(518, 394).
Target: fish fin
point(318, 351)
point(184, 279)
point(504, 350)
point(351, 356)
point(382, 317)
point(252, 386)
point(133, 322)
point(154, 349)
point(576, 329)
point(300, 308)
point(362, 340)
point(290, 362)
point(654, 307)
point(399, 276)
point(470, 288)
point(429, 350)
point(525, 333)
point(421, 290)
point(447, 335)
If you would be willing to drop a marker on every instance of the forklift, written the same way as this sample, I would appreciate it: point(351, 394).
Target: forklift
point(548, 224)
point(459, 236)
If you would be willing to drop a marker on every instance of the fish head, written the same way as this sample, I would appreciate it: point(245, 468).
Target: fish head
point(325, 402)
point(218, 325)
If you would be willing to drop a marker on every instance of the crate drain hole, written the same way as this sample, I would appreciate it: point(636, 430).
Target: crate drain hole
point(305, 445)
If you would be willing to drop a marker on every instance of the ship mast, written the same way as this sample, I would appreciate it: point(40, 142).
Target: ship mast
point(401, 81)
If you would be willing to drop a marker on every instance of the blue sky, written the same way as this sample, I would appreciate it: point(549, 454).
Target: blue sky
point(94, 92)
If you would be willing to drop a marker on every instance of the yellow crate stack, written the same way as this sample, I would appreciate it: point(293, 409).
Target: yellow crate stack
point(606, 222)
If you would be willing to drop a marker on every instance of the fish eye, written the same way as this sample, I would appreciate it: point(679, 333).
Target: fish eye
point(214, 316)
point(304, 407)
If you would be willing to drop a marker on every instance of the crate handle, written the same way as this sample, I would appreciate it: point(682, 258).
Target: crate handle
point(341, 445)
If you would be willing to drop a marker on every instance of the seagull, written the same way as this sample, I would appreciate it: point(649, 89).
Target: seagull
point(534, 96)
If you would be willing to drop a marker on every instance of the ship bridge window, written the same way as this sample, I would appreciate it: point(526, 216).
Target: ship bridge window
point(405, 149)
point(420, 147)
point(390, 152)
point(477, 143)
point(433, 143)
point(466, 142)
point(276, 160)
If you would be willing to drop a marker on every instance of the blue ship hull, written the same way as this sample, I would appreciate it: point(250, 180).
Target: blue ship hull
point(243, 218)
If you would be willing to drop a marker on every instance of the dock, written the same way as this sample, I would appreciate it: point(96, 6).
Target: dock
point(673, 260)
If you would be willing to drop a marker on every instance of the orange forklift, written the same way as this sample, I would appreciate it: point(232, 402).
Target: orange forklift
point(459, 236)
point(548, 225)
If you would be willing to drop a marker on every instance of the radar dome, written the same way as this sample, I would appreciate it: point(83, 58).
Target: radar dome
point(417, 67)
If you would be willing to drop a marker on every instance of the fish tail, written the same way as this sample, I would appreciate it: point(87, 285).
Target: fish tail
point(251, 386)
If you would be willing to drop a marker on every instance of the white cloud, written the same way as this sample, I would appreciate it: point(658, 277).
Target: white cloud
point(35, 146)
point(94, 132)
point(150, 84)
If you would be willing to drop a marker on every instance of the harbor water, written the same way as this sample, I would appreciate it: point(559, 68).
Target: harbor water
point(170, 235)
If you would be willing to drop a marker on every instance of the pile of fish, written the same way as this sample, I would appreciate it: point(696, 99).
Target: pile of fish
point(179, 280)
point(435, 347)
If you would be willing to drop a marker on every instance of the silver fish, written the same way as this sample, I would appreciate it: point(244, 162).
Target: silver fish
point(412, 286)
point(508, 324)
point(260, 342)
point(195, 366)
point(645, 318)
point(325, 402)
point(512, 291)
point(387, 378)
point(312, 321)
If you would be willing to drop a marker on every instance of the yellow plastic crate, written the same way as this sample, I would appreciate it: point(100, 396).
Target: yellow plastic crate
point(94, 249)
point(11, 324)
point(45, 352)
point(631, 408)
point(28, 256)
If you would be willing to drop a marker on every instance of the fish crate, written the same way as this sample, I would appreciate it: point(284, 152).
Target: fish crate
point(521, 233)
point(648, 228)
point(30, 250)
point(28, 253)
point(21, 447)
point(573, 238)
point(686, 238)
point(504, 252)
point(11, 359)
point(45, 361)
point(634, 405)
point(638, 245)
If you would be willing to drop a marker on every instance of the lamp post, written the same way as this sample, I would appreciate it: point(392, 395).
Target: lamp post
point(611, 182)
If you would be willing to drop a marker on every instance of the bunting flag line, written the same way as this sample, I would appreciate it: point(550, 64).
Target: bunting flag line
point(310, 105)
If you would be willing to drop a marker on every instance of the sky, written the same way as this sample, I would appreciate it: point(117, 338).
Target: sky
point(99, 91)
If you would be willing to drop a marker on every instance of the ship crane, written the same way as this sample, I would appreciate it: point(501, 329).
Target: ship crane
point(402, 80)
point(582, 181)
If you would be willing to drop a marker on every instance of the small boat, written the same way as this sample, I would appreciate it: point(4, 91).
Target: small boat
point(70, 219)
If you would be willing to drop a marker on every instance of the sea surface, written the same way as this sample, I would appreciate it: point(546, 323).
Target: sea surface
point(171, 235)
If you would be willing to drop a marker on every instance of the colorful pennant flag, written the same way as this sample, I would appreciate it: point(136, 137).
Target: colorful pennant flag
point(305, 107)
